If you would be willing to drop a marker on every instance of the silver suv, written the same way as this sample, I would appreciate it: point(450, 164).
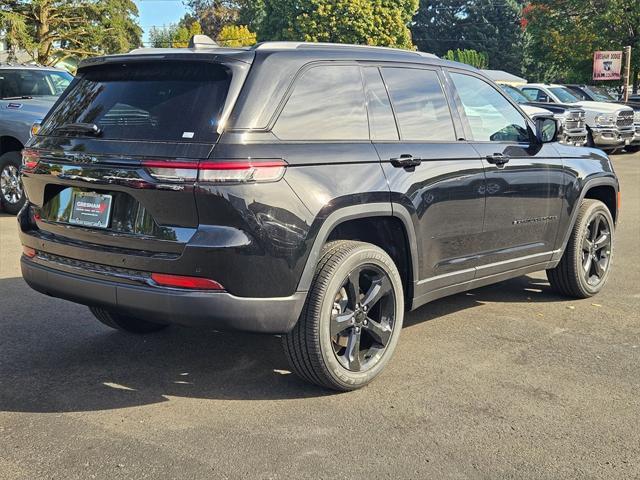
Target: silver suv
point(27, 92)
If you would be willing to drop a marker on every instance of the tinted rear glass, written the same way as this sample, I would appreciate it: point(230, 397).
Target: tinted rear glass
point(327, 103)
point(168, 101)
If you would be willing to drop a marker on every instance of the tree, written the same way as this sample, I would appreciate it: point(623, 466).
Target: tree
point(486, 26)
point(212, 15)
point(371, 22)
point(184, 34)
point(54, 30)
point(162, 37)
point(236, 36)
point(563, 34)
point(173, 35)
point(470, 57)
point(251, 13)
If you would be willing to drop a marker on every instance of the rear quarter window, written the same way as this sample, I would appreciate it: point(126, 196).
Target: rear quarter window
point(327, 103)
point(155, 101)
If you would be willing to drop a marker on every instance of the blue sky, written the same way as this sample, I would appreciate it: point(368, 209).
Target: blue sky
point(158, 13)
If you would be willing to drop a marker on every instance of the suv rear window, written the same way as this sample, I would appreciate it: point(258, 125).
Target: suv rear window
point(155, 101)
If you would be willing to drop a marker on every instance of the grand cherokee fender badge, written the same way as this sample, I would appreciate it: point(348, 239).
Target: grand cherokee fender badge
point(549, 218)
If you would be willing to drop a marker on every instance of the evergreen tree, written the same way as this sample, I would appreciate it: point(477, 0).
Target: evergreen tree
point(51, 31)
point(470, 57)
point(488, 26)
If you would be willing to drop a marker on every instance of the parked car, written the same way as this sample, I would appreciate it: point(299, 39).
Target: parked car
point(598, 94)
point(571, 118)
point(609, 126)
point(27, 93)
point(314, 191)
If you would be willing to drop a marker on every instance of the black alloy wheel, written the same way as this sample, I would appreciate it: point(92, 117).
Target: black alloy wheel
point(352, 318)
point(586, 262)
point(362, 318)
point(596, 249)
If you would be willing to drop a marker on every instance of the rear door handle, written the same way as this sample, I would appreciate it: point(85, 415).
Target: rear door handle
point(498, 159)
point(406, 161)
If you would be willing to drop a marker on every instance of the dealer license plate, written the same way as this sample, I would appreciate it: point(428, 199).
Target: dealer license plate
point(91, 209)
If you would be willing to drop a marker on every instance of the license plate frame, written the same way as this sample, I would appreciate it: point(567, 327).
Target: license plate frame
point(91, 209)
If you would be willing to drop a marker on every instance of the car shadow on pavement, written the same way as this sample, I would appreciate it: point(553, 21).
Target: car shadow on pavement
point(516, 290)
point(55, 357)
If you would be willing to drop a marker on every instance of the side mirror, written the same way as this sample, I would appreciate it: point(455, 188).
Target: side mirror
point(547, 129)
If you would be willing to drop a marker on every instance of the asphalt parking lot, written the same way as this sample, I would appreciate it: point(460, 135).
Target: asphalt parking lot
point(508, 381)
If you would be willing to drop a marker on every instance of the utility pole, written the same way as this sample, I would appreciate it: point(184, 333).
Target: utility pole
point(627, 73)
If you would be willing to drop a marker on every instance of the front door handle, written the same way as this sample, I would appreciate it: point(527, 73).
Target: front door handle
point(498, 159)
point(406, 161)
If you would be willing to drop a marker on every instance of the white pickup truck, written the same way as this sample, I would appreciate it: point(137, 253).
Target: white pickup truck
point(610, 126)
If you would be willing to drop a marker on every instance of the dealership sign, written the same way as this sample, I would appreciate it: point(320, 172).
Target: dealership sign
point(607, 65)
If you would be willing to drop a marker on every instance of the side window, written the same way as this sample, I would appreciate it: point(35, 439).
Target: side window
point(578, 93)
point(327, 103)
point(490, 115)
point(536, 95)
point(382, 124)
point(419, 103)
point(531, 93)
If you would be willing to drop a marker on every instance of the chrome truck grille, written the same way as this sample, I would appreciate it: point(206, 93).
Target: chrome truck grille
point(574, 128)
point(574, 120)
point(624, 119)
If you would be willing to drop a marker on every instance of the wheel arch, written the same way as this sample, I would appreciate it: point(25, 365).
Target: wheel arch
point(607, 194)
point(379, 224)
point(10, 144)
point(606, 190)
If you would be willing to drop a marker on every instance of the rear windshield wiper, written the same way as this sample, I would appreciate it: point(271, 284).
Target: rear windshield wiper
point(18, 97)
point(88, 128)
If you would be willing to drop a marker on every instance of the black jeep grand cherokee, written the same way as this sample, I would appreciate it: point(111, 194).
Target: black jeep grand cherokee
point(314, 191)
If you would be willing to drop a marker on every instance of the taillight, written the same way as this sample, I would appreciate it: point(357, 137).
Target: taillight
point(28, 251)
point(30, 160)
point(219, 171)
point(181, 281)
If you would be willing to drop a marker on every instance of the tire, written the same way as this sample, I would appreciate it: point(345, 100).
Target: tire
point(632, 148)
point(12, 196)
point(335, 321)
point(124, 322)
point(578, 274)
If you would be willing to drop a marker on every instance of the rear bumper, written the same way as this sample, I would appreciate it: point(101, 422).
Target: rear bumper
point(219, 310)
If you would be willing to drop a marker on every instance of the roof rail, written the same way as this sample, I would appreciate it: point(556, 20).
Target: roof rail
point(297, 45)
